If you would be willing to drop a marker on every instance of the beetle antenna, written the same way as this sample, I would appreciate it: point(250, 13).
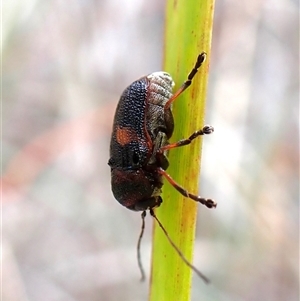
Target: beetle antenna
point(201, 58)
point(204, 278)
point(139, 247)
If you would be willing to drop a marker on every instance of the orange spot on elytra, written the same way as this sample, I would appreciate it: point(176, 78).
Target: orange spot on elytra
point(125, 135)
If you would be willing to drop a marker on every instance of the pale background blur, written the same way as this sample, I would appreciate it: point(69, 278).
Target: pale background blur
point(65, 64)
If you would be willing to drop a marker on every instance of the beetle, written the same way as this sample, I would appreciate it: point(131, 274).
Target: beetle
point(142, 126)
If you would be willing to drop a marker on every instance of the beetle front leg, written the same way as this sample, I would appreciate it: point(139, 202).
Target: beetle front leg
point(209, 203)
point(206, 130)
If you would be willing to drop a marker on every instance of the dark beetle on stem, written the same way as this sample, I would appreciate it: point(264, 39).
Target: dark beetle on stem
point(143, 124)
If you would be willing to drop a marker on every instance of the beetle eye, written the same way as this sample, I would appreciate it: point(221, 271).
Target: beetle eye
point(111, 162)
point(135, 158)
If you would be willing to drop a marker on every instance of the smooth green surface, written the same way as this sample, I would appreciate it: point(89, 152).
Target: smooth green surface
point(188, 33)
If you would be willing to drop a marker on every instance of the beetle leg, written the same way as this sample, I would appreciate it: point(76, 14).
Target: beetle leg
point(162, 160)
point(205, 279)
point(209, 203)
point(158, 157)
point(206, 130)
point(187, 83)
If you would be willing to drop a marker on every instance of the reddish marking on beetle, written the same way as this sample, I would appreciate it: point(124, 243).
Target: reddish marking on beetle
point(125, 135)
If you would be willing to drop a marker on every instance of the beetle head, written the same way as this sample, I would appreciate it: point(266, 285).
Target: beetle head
point(135, 189)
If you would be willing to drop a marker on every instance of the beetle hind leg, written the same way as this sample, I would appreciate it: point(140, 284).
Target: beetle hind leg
point(209, 203)
point(187, 83)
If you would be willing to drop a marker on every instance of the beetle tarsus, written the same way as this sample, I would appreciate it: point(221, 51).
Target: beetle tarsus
point(201, 58)
point(206, 130)
point(188, 82)
point(209, 203)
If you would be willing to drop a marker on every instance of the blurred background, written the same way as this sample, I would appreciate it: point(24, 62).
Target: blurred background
point(64, 66)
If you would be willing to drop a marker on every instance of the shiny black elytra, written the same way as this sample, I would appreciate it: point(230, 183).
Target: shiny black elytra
point(143, 124)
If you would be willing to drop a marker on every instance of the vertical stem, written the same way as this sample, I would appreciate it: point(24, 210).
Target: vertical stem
point(188, 33)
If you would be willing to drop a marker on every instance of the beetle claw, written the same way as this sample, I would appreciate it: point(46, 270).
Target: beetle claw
point(208, 129)
point(209, 203)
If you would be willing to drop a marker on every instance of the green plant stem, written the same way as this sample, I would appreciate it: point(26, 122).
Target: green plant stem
point(188, 33)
